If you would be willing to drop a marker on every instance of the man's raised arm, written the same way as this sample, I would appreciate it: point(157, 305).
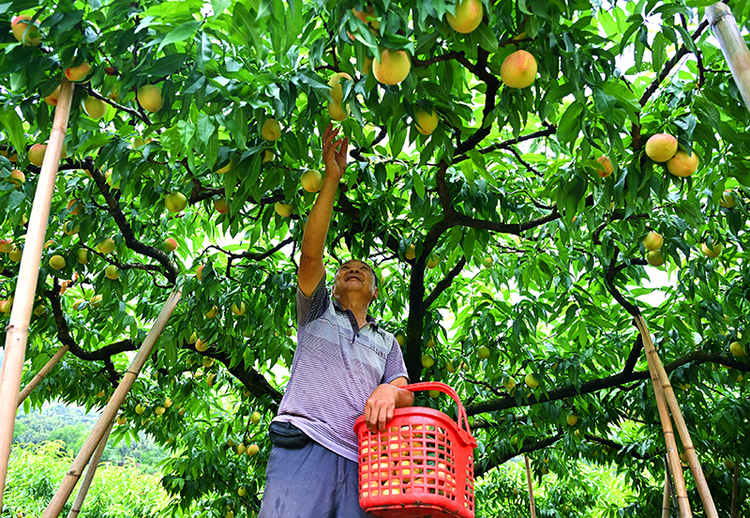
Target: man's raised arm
point(311, 268)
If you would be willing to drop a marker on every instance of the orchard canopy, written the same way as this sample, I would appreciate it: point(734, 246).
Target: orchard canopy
point(503, 244)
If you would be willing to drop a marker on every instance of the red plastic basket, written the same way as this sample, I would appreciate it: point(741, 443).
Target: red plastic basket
point(421, 466)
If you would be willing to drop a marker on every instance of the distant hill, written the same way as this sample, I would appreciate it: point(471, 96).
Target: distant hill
point(72, 426)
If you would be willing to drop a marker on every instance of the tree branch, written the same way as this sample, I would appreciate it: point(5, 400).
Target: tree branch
point(483, 466)
point(508, 228)
point(170, 270)
point(444, 283)
point(635, 353)
point(597, 385)
point(250, 378)
point(609, 282)
point(669, 65)
point(493, 85)
point(550, 130)
point(63, 334)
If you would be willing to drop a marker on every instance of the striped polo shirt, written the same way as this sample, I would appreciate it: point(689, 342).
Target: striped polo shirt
point(335, 369)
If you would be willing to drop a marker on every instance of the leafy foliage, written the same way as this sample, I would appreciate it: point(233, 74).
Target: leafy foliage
point(117, 491)
point(539, 258)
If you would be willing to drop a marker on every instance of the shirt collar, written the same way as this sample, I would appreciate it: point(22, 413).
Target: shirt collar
point(338, 307)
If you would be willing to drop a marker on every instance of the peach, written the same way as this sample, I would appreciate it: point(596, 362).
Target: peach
point(519, 69)
point(661, 147)
point(392, 68)
point(149, 96)
point(468, 16)
point(19, 24)
point(78, 73)
point(683, 164)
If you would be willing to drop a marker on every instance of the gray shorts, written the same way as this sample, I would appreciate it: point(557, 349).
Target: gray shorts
point(310, 482)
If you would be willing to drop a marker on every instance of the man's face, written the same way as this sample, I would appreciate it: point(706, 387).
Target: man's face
point(355, 276)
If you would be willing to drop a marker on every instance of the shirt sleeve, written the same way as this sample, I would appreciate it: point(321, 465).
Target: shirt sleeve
point(394, 364)
point(313, 307)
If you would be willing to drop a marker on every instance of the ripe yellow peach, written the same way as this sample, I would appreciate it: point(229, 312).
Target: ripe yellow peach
point(150, 97)
point(683, 164)
point(519, 69)
point(661, 147)
point(426, 122)
point(392, 68)
point(19, 24)
point(468, 16)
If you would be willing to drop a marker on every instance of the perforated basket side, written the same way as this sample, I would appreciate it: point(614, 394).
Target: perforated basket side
point(420, 462)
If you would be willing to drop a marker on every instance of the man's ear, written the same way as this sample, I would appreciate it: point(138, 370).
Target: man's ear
point(375, 294)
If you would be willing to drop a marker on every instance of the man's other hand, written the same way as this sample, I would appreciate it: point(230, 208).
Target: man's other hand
point(386, 397)
point(379, 407)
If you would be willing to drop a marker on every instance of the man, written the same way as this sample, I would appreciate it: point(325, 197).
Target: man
point(345, 366)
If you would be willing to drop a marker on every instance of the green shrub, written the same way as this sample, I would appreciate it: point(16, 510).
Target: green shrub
point(37, 470)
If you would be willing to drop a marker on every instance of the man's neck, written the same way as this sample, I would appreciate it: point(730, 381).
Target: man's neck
point(357, 307)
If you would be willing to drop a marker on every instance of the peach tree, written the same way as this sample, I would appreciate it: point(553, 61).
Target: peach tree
point(504, 205)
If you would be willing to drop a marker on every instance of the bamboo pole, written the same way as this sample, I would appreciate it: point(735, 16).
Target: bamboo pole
point(42, 374)
point(18, 328)
point(666, 508)
point(532, 506)
point(69, 482)
point(687, 442)
point(732, 45)
point(90, 472)
point(666, 422)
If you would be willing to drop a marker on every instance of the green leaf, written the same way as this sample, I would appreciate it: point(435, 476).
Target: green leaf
point(15, 199)
point(397, 138)
point(485, 38)
point(418, 183)
point(467, 168)
point(686, 39)
point(524, 8)
point(11, 122)
point(181, 33)
point(570, 123)
point(604, 104)
point(166, 66)
point(626, 99)
point(219, 6)
point(658, 49)
point(467, 245)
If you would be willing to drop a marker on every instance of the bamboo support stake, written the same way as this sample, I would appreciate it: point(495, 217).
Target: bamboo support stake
point(69, 482)
point(42, 374)
point(733, 45)
point(666, 508)
point(736, 491)
point(90, 472)
point(666, 422)
point(679, 420)
point(531, 488)
point(18, 328)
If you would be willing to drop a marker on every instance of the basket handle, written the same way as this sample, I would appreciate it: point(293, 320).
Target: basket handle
point(463, 421)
